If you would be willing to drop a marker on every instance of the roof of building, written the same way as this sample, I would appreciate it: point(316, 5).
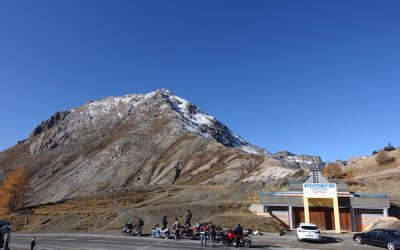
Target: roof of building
point(296, 199)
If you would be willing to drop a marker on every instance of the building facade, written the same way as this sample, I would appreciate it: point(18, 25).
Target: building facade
point(329, 205)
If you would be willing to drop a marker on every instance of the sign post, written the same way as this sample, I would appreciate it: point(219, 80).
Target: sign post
point(25, 213)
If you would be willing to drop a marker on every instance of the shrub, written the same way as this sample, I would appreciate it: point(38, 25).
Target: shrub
point(332, 171)
point(389, 147)
point(383, 158)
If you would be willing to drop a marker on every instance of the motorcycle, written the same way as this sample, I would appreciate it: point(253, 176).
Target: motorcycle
point(130, 230)
point(186, 232)
point(230, 239)
point(158, 232)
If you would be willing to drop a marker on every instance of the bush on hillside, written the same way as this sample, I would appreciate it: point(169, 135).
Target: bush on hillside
point(332, 171)
point(383, 158)
point(389, 148)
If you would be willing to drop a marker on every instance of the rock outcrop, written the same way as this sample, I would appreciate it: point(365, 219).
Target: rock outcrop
point(301, 162)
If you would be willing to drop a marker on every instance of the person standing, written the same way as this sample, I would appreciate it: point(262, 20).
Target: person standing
point(164, 222)
point(7, 236)
point(212, 234)
point(239, 234)
point(203, 236)
point(188, 217)
point(177, 227)
point(33, 243)
point(140, 223)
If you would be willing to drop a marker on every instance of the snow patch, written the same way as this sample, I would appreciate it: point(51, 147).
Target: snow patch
point(198, 122)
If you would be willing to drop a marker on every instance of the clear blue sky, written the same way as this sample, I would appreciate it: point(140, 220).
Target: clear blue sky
point(315, 77)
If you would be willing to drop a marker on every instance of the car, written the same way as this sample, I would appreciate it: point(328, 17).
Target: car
point(308, 231)
point(387, 238)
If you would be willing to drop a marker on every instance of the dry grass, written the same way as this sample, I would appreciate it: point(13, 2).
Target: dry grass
point(223, 205)
point(377, 174)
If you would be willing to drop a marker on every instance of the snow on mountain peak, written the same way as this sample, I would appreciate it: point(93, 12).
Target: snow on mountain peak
point(192, 119)
point(198, 122)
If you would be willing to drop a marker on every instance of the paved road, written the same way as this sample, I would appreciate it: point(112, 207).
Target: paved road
point(114, 242)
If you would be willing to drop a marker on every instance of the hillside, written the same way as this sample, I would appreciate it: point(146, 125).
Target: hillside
point(379, 173)
point(108, 211)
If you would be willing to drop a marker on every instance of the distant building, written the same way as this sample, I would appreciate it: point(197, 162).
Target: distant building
point(329, 205)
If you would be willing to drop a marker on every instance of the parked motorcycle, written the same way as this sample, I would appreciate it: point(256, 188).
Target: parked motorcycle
point(158, 232)
point(230, 239)
point(131, 230)
point(186, 232)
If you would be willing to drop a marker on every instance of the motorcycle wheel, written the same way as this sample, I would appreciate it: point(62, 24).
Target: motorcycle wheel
point(246, 243)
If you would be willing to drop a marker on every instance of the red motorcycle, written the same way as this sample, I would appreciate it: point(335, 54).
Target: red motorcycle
point(186, 232)
point(230, 239)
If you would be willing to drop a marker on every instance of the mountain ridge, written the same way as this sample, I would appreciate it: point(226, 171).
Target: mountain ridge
point(136, 140)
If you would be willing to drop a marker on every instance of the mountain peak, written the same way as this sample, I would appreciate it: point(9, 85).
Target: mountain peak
point(111, 111)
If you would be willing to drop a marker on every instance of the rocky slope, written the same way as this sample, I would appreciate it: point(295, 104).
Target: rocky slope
point(132, 141)
point(302, 162)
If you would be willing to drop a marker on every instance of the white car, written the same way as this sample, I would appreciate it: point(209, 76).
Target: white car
point(308, 231)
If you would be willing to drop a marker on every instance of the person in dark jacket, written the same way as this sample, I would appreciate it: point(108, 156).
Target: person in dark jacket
point(6, 234)
point(33, 243)
point(140, 223)
point(239, 234)
point(164, 222)
point(188, 217)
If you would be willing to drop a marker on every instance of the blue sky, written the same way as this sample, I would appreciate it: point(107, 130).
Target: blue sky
point(314, 77)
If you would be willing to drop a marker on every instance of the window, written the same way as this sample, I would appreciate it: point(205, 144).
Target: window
point(368, 211)
point(374, 233)
point(394, 233)
point(315, 177)
point(274, 208)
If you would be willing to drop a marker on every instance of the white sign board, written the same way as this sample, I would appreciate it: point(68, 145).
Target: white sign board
point(319, 190)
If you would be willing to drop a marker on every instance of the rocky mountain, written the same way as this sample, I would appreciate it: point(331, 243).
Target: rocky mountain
point(132, 141)
point(302, 162)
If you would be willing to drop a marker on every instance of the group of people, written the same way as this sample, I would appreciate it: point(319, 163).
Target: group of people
point(206, 232)
point(210, 232)
point(177, 225)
